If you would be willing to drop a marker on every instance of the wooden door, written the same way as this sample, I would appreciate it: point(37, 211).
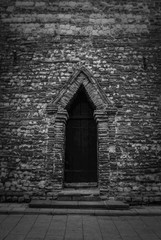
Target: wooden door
point(81, 142)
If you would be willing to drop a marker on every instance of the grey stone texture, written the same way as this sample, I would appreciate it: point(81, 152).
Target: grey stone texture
point(43, 47)
point(79, 227)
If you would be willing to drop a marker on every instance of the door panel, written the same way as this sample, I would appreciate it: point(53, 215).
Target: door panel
point(81, 142)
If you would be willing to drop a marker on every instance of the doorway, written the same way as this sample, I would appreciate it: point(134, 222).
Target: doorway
point(81, 141)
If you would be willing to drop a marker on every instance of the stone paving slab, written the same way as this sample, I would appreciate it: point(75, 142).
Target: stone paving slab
point(79, 227)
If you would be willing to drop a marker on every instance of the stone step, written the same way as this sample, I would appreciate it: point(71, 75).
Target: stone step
point(110, 205)
point(71, 194)
point(81, 185)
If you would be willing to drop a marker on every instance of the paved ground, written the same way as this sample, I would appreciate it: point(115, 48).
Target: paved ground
point(79, 227)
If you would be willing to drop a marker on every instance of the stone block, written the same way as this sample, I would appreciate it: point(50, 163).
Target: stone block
point(7, 184)
point(95, 32)
point(157, 199)
point(40, 4)
point(145, 199)
point(24, 4)
point(155, 188)
point(14, 199)
point(10, 9)
point(137, 199)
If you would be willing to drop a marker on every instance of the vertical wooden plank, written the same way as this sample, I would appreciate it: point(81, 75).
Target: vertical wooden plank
point(81, 142)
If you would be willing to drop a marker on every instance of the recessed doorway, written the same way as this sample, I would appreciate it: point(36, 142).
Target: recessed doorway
point(81, 141)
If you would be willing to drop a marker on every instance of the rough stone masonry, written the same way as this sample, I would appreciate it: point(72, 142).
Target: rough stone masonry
point(43, 43)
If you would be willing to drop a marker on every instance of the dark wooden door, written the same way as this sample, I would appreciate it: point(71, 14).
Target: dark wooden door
point(81, 142)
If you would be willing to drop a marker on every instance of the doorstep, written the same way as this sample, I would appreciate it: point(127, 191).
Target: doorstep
point(109, 204)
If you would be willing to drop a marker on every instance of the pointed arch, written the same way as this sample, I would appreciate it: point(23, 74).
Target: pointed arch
point(95, 93)
point(104, 115)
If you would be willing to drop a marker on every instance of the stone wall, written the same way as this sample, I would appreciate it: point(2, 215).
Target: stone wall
point(42, 44)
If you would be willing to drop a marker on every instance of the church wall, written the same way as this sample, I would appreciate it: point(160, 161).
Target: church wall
point(42, 43)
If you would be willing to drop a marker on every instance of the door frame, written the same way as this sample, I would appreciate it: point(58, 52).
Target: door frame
point(104, 115)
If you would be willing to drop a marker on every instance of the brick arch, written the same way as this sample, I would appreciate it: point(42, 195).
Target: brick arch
point(91, 89)
point(104, 115)
point(81, 77)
